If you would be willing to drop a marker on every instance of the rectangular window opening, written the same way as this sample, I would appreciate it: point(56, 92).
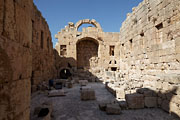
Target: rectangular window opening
point(32, 31)
point(159, 26)
point(48, 43)
point(131, 41)
point(111, 50)
point(63, 51)
point(42, 39)
point(113, 68)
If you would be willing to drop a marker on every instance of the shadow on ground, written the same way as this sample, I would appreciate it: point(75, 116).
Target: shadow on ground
point(142, 105)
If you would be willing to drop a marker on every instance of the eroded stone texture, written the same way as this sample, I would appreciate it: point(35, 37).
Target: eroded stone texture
point(135, 101)
point(91, 49)
point(17, 51)
point(149, 51)
point(43, 63)
point(145, 54)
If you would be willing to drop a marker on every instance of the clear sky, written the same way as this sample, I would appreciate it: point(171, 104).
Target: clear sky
point(109, 13)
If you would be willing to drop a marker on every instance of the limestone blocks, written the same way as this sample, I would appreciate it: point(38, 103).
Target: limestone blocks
point(135, 101)
point(83, 82)
point(120, 93)
point(150, 102)
point(56, 93)
point(88, 94)
point(110, 107)
point(114, 109)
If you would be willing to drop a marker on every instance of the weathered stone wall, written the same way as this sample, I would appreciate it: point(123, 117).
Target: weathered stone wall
point(18, 56)
point(43, 64)
point(150, 51)
point(15, 59)
point(87, 52)
point(70, 37)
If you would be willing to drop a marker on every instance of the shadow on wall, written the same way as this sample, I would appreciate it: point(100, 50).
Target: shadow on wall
point(143, 98)
point(87, 52)
point(6, 83)
point(65, 66)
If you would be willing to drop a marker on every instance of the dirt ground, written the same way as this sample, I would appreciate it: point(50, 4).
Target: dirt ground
point(70, 107)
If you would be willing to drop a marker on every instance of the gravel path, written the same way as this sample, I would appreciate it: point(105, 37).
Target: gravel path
point(70, 107)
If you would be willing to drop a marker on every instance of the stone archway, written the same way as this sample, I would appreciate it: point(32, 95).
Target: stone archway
point(88, 21)
point(87, 53)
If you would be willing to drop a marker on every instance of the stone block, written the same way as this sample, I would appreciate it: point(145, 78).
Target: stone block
point(176, 99)
point(165, 85)
point(159, 101)
point(148, 93)
point(123, 104)
point(135, 101)
point(56, 93)
point(172, 78)
point(174, 108)
point(169, 95)
point(69, 84)
point(103, 104)
point(120, 93)
point(158, 85)
point(83, 82)
point(142, 90)
point(151, 102)
point(88, 94)
point(165, 105)
point(113, 109)
point(177, 87)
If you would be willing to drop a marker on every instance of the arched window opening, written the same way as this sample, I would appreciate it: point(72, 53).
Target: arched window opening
point(85, 25)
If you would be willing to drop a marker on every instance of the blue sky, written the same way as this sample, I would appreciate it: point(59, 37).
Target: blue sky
point(109, 13)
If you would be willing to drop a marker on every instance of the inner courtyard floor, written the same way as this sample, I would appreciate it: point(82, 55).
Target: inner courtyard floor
point(70, 107)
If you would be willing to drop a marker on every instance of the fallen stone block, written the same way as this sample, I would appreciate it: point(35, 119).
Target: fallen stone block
point(148, 93)
point(120, 93)
point(69, 85)
point(113, 109)
point(56, 93)
point(123, 105)
point(174, 108)
point(88, 94)
point(62, 81)
point(159, 102)
point(165, 105)
point(135, 101)
point(103, 104)
point(142, 90)
point(83, 82)
point(58, 85)
point(151, 102)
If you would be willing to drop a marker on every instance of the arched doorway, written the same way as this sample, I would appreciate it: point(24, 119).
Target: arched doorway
point(87, 53)
point(65, 73)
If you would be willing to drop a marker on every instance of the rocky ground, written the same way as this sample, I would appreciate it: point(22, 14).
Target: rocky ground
point(70, 107)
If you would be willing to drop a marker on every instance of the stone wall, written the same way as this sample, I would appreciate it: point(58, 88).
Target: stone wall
point(150, 51)
point(68, 47)
point(43, 64)
point(19, 56)
point(87, 52)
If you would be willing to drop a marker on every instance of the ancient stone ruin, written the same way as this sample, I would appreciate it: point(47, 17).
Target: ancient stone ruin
point(140, 65)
